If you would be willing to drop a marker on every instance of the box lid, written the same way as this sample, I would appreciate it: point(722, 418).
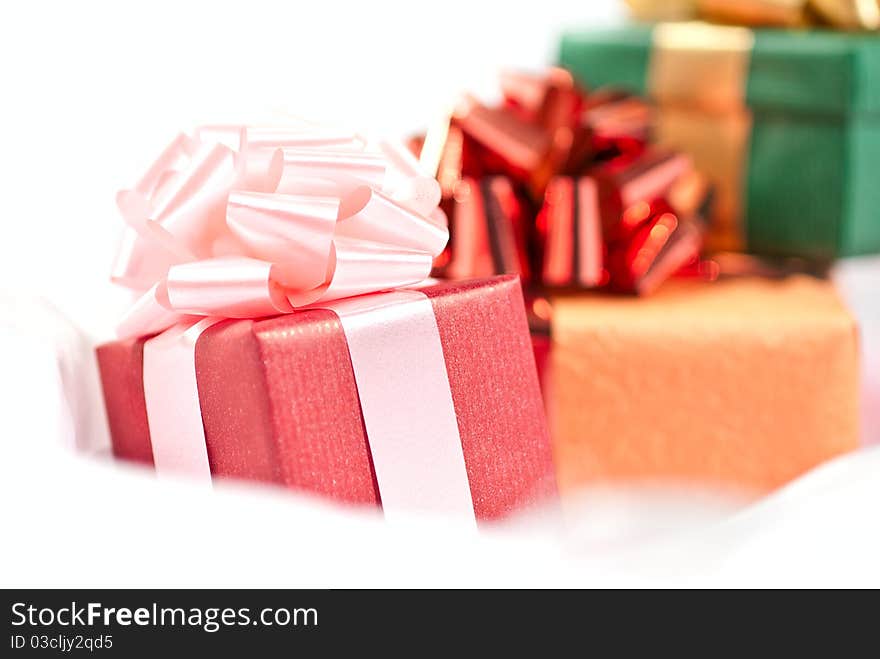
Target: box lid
point(816, 71)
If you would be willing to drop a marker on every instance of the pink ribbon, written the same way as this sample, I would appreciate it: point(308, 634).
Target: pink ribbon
point(242, 222)
point(246, 223)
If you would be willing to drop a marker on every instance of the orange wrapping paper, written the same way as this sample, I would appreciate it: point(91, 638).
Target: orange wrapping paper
point(745, 383)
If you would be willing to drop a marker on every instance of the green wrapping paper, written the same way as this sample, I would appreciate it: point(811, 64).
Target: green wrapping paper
point(808, 182)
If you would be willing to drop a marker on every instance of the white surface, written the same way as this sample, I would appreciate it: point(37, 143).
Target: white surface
point(78, 522)
point(91, 91)
point(49, 385)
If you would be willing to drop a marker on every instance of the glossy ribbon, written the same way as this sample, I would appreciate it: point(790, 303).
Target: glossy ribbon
point(239, 222)
point(242, 223)
point(553, 180)
point(574, 248)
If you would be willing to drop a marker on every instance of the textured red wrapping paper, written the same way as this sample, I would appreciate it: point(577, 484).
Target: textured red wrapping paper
point(280, 405)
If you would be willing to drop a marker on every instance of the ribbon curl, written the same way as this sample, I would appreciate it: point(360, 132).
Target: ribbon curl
point(245, 222)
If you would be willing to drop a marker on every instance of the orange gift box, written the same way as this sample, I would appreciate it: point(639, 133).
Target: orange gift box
point(742, 382)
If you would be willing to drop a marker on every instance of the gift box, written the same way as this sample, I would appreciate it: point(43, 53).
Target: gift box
point(280, 404)
point(786, 123)
point(285, 332)
point(743, 382)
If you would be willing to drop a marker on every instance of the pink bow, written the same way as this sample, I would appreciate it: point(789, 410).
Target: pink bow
point(243, 222)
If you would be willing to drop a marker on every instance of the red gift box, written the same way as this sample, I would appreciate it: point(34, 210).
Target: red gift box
point(280, 404)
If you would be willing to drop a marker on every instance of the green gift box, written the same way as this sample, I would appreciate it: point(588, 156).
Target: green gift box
point(786, 122)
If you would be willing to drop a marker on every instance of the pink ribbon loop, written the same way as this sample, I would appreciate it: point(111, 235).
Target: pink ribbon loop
point(237, 222)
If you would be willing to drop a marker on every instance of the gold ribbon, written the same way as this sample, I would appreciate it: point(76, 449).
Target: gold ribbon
point(697, 74)
point(851, 14)
point(840, 14)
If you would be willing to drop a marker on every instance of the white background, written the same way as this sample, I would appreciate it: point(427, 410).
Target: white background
point(91, 91)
